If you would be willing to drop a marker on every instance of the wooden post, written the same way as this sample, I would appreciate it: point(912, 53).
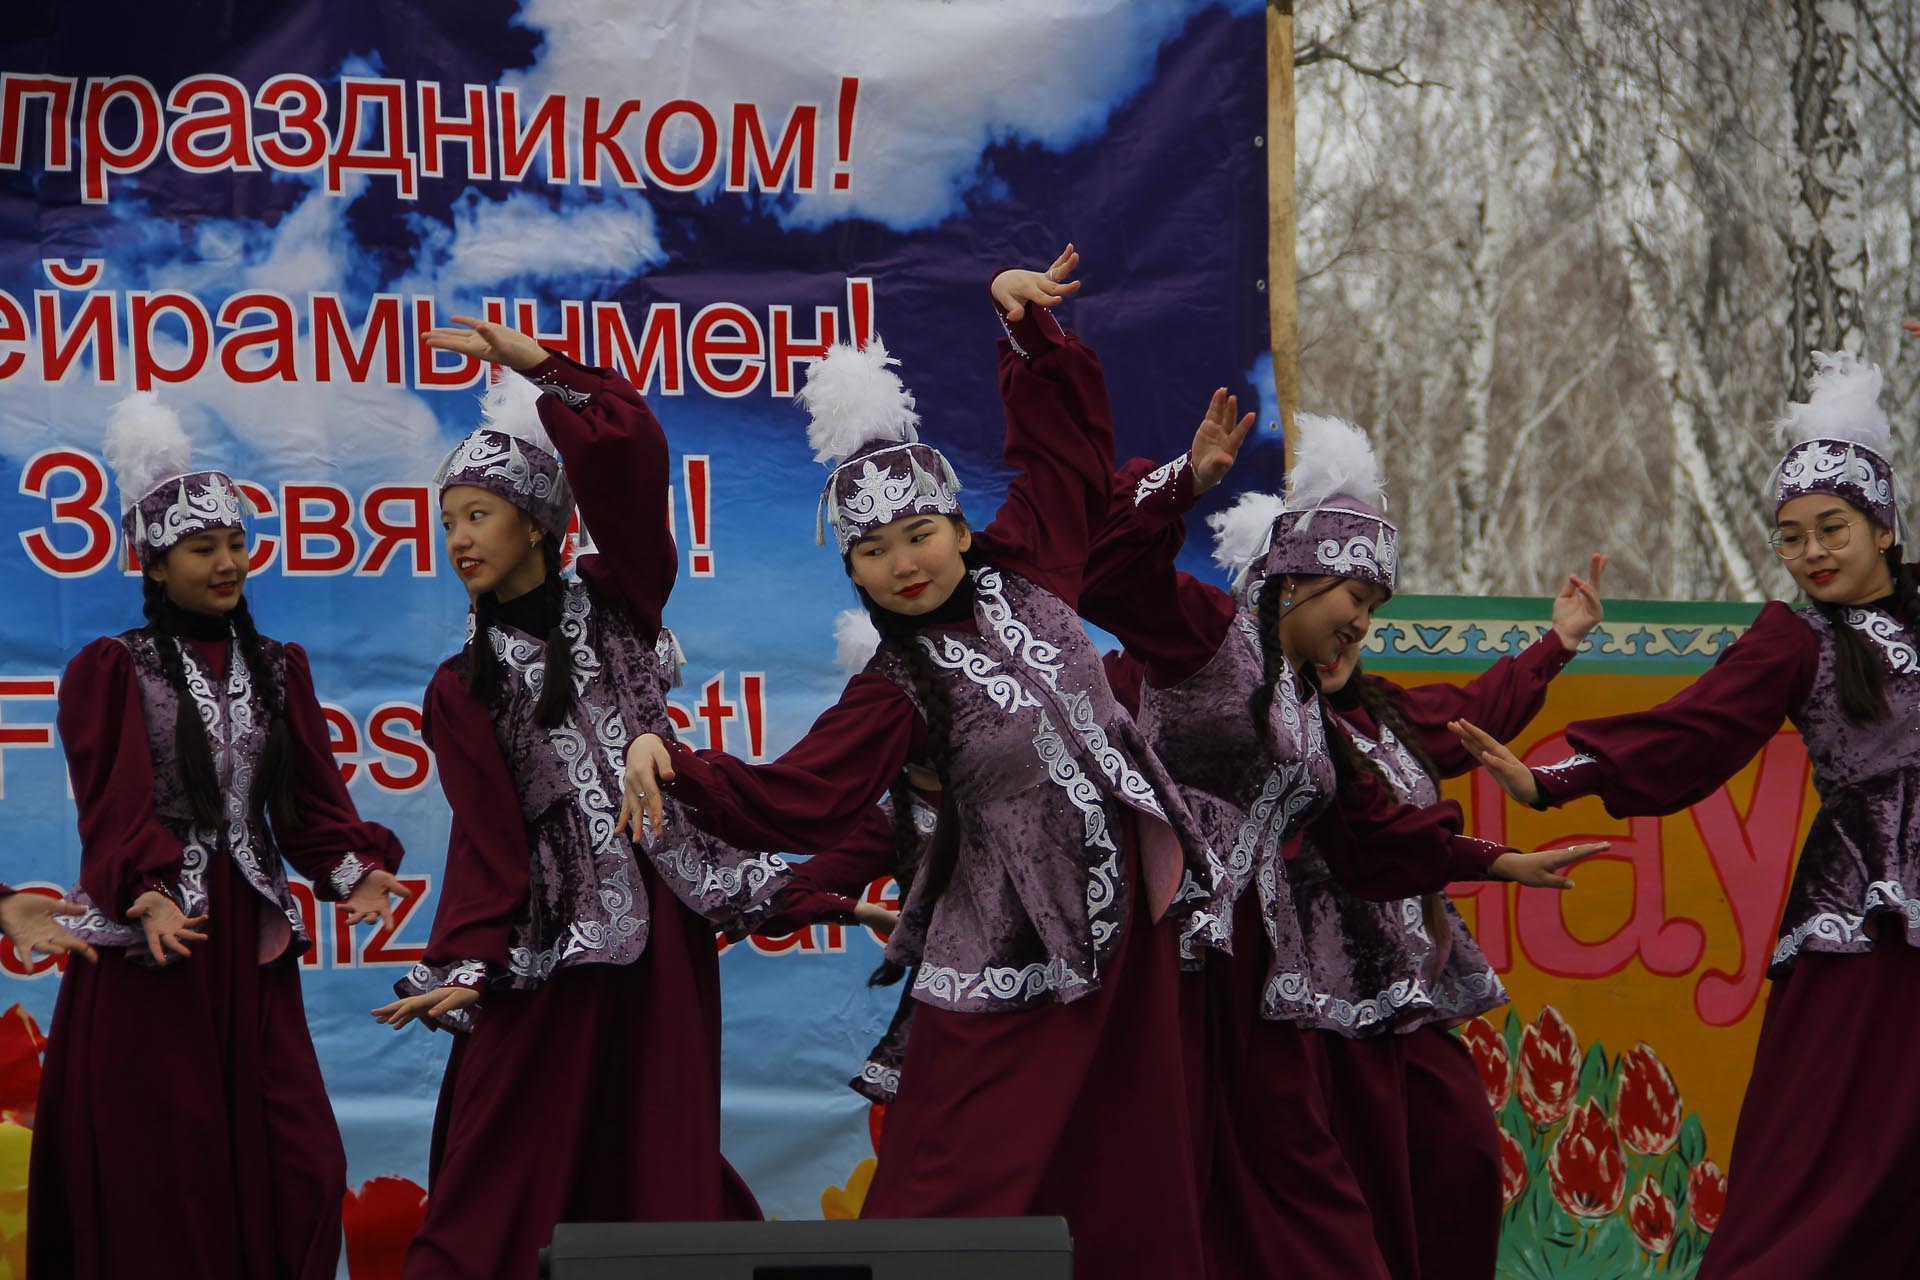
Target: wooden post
point(1283, 317)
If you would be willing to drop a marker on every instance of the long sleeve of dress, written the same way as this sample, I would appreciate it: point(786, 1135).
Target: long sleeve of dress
point(489, 866)
point(1503, 700)
point(827, 886)
point(1060, 444)
point(330, 845)
point(1380, 848)
point(1168, 619)
point(1677, 754)
point(617, 463)
point(821, 793)
point(124, 849)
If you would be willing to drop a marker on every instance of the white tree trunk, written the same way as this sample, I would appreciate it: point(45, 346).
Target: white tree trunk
point(1829, 246)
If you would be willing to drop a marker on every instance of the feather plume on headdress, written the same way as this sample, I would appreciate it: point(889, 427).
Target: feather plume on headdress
point(855, 641)
point(511, 406)
point(1332, 458)
point(1241, 531)
point(1843, 403)
point(853, 397)
point(144, 445)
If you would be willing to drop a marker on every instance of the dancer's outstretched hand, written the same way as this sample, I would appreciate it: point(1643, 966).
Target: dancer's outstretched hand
point(1514, 777)
point(32, 921)
point(876, 917)
point(1541, 869)
point(368, 901)
point(168, 929)
point(488, 341)
point(648, 765)
point(1216, 444)
point(1015, 290)
point(437, 1003)
point(1576, 610)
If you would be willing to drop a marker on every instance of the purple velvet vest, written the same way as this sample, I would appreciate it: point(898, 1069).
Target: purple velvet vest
point(1052, 776)
point(1372, 962)
point(1862, 854)
point(235, 716)
point(1247, 795)
point(586, 903)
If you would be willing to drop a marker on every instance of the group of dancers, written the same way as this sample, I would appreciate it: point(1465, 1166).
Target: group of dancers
point(1175, 956)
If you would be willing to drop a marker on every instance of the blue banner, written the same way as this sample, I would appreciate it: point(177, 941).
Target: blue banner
point(257, 214)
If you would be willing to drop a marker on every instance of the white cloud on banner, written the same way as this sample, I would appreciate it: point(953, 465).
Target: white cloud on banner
point(939, 83)
point(579, 247)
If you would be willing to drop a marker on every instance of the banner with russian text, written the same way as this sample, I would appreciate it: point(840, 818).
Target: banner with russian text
point(257, 215)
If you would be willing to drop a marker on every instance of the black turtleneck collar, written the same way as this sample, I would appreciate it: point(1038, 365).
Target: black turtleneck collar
point(1348, 697)
point(174, 620)
point(536, 612)
point(956, 608)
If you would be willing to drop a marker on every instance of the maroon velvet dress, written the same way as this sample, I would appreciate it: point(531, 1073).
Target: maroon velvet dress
point(1824, 1176)
point(183, 1127)
point(1067, 1106)
point(593, 1096)
point(1405, 1100)
point(1280, 1195)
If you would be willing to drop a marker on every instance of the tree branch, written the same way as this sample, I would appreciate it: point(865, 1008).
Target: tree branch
point(1316, 51)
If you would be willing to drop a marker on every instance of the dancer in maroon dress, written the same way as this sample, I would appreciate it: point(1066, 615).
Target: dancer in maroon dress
point(1824, 1178)
point(183, 1128)
point(1392, 978)
point(1230, 702)
point(1042, 1073)
point(579, 972)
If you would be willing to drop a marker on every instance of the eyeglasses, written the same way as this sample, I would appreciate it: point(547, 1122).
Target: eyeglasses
point(1832, 534)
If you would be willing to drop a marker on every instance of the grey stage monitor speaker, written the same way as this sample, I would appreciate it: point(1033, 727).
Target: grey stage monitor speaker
point(875, 1249)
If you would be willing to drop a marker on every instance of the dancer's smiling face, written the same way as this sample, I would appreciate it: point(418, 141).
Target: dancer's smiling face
point(1851, 574)
point(912, 565)
point(203, 573)
point(1328, 617)
point(492, 544)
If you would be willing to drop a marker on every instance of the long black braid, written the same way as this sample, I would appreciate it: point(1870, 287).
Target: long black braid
point(484, 668)
point(1383, 704)
point(273, 784)
point(1859, 672)
point(1348, 760)
point(556, 684)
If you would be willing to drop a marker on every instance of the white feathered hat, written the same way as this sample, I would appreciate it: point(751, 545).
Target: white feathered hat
point(162, 498)
point(1330, 522)
point(1838, 441)
point(863, 425)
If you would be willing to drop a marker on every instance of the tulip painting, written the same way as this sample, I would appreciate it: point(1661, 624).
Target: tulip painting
point(1588, 1173)
point(1603, 1172)
point(1647, 1105)
point(1549, 1067)
point(1706, 1195)
point(1491, 1059)
point(1651, 1215)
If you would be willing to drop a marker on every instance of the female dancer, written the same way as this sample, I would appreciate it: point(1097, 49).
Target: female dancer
point(581, 974)
point(31, 922)
point(1391, 979)
point(183, 1127)
point(1042, 1068)
point(1830, 1070)
point(1229, 700)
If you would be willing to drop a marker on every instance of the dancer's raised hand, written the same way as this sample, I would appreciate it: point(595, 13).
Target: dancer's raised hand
point(1217, 441)
point(485, 340)
point(1576, 610)
point(1513, 776)
point(1015, 290)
